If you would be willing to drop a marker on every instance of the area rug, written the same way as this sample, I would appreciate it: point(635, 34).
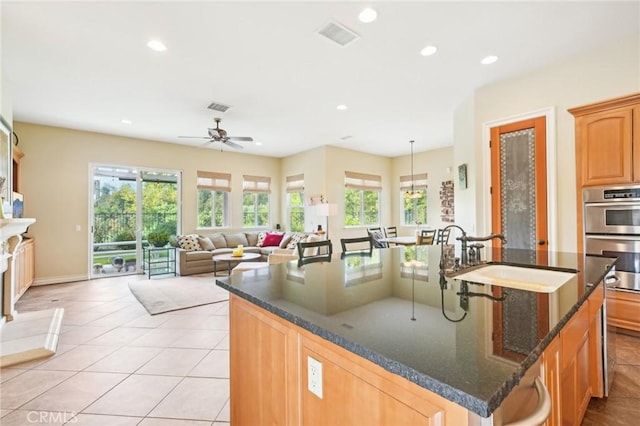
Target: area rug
point(172, 294)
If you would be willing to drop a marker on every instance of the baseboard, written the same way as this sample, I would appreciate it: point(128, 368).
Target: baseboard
point(60, 279)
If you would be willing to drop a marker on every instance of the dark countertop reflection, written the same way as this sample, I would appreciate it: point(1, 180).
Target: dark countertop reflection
point(391, 309)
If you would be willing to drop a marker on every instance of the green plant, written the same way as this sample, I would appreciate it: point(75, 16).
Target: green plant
point(159, 237)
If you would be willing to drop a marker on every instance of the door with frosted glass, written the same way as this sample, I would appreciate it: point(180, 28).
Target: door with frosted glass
point(519, 184)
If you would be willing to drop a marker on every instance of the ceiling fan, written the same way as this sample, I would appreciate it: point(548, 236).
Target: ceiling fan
point(220, 135)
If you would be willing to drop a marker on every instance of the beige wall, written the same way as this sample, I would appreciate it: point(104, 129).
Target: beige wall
point(55, 183)
point(605, 72)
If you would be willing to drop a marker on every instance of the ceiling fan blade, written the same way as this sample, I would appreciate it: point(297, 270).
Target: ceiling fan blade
point(240, 138)
point(194, 137)
point(208, 142)
point(214, 133)
point(232, 144)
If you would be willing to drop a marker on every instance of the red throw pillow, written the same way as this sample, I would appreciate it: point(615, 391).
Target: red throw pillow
point(272, 239)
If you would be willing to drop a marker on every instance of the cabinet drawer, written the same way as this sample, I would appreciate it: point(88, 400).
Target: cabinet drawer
point(623, 309)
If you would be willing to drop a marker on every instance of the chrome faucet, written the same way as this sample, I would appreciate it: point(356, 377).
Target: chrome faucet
point(462, 239)
point(474, 250)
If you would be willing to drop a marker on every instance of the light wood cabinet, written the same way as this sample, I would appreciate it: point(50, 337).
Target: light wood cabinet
point(623, 310)
point(269, 384)
point(608, 142)
point(572, 364)
point(24, 264)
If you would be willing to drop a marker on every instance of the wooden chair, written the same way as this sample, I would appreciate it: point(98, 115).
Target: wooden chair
point(361, 242)
point(391, 231)
point(443, 236)
point(314, 251)
point(427, 236)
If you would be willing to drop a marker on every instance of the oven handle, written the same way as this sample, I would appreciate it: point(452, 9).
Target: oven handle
point(613, 237)
point(624, 204)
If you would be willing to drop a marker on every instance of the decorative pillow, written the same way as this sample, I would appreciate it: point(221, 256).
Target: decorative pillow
point(272, 239)
point(206, 244)
point(312, 251)
point(235, 240)
point(261, 237)
point(189, 242)
point(285, 240)
point(377, 235)
point(218, 240)
point(295, 239)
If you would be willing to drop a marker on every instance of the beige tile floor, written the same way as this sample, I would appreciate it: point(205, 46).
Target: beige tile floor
point(118, 365)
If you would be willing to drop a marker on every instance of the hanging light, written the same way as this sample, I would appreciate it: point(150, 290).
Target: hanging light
point(412, 193)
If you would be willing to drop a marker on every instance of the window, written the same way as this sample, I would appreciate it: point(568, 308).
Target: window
point(295, 202)
point(414, 210)
point(361, 199)
point(255, 201)
point(213, 199)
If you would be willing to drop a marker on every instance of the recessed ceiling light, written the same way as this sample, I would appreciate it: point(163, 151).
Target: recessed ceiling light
point(368, 15)
point(489, 60)
point(428, 50)
point(125, 121)
point(341, 107)
point(157, 45)
point(259, 143)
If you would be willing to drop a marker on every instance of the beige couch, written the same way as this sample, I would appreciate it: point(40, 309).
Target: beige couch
point(199, 260)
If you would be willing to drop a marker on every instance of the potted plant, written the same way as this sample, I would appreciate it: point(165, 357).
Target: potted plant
point(158, 238)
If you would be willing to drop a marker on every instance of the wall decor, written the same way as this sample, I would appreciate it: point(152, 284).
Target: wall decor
point(18, 205)
point(447, 201)
point(462, 176)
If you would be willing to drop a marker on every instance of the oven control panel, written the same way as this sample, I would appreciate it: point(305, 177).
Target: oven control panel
point(618, 194)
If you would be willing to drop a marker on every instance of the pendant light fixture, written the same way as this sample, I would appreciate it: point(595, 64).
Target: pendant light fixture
point(412, 193)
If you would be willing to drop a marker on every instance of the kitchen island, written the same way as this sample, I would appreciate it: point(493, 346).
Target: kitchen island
point(379, 339)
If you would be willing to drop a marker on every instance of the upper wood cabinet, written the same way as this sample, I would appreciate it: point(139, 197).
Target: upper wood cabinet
point(608, 142)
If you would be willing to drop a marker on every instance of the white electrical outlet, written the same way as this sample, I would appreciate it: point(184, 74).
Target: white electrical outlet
point(314, 376)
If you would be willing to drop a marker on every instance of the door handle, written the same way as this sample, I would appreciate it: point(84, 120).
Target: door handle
point(541, 242)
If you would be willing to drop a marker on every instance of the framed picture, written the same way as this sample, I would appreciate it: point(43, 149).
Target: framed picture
point(18, 205)
point(462, 176)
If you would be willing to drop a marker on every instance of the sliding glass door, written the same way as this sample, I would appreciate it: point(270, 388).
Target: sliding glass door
point(131, 208)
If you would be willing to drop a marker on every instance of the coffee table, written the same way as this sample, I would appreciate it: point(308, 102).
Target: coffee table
point(229, 258)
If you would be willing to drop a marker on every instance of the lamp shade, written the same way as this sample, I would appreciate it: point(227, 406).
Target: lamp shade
point(326, 209)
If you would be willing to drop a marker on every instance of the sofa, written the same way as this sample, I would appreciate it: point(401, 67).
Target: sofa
point(194, 252)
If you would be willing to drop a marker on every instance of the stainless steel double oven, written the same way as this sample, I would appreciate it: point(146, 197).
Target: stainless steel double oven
point(612, 228)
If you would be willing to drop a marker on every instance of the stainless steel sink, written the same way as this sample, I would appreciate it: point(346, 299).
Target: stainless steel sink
point(522, 278)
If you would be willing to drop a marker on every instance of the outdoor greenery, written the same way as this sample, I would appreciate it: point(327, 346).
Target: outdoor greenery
point(361, 207)
point(296, 211)
point(255, 209)
point(212, 209)
point(115, 211)
point(415, 209)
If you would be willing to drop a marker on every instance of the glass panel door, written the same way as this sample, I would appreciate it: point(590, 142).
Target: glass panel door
point(129, 206)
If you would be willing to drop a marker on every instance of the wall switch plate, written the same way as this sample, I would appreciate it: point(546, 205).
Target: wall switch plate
point(314, 376)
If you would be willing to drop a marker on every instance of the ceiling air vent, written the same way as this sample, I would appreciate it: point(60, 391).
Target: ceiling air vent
point(338, 33)
point(218, 107)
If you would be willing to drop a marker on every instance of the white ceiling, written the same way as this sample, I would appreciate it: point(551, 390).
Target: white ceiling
point(85, 65)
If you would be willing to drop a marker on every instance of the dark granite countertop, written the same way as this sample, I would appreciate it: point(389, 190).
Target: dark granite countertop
point(390, 309)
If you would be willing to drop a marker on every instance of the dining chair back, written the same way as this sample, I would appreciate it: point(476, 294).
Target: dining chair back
point(426, 236)
point(391, 231)
point(314, 251)
point(443, 236)
point(362, 245)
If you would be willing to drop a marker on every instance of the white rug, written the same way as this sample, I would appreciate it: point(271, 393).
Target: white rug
point(172, 294)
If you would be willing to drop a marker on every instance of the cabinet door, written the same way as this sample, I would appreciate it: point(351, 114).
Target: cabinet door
point(604, 147)
point(552, 365)
point(636, 144)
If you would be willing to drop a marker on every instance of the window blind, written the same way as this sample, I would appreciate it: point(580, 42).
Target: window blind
point(212, 181)
point(419, 182)
point(355, 180)
point(295, 183)
point(256, 184)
